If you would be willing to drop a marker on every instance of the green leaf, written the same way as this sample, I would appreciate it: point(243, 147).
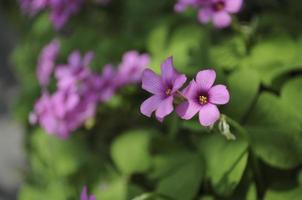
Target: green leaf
point(294, 194)
point(130, 152)
point(252, 192)
point(58, 190)
point(60, 157)
point(275, 132)
point(225, 161)
point(272, 57)
point(243, 85)
point(229, 53)
point(183, 180)
point(291, 95)
point(177, 46)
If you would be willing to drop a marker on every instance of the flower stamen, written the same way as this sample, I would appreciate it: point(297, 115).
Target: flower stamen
point(218, 6)
point(168, 92)
point(203, 99)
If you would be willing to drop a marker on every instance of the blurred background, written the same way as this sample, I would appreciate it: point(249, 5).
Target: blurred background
point(119, 153)
point(12, 158)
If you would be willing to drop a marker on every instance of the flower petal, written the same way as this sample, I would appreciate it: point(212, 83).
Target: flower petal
point(179, 82)
point(205, 15)
point(222, 19)
point(233, 6)
point(187, 109)
point(165, 108)
point(205, 79)
point(92, 197)
point(167, 70)
point(151, 82)
point(208, 114)
point(150, 105)
point(191, 90)
point(219, 94)
point(84, 195)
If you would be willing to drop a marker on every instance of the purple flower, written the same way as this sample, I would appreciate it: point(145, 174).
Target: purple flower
point(217, 11)
point(182, 5)
point(75, 72)
point(163, 88)
point(46, 62)
point(203, 97)
point(85, 196)
point(74, 101)
point(131, 68)
point(61, 10)
point(32, 7)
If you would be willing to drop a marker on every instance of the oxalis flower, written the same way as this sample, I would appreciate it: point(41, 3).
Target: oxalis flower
point(163, 88)
point(216, 11)
point(203, 98)
point(85, 195)
point(46, 62)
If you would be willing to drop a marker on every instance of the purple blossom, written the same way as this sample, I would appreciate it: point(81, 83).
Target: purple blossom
point(32, 7)
point(74, 101)
point(75, 72)
point(85, 196)
point(163, 88)
point(203, 97)
point(61, 10)
point(131, 68)
point(217, 11)
point(62, 113)
point(46, 62)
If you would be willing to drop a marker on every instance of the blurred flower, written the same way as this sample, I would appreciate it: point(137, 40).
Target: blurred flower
point(131, 68)
point(85, 196)
point(32, 7)
point(203, 97)
point(61, 10)
point(163, 88)
point(75, 100)
point(217, 11)
point(181, 5)
point(46, 62)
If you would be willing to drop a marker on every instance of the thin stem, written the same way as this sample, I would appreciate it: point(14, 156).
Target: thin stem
point(180, 94)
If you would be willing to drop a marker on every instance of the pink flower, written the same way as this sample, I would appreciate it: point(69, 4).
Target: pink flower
point(163, 88)
point(74, 101)
point(131, 68)
point(217, 11)
point(85, 196)
point(202, 97)
point(46, 62)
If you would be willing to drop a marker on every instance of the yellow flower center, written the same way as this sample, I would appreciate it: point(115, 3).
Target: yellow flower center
point(203, 99)
point(168, 92)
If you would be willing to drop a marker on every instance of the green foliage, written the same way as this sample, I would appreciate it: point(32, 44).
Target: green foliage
point(225, 161)
point(131, 158)
point(122, 155)
point(294, 194)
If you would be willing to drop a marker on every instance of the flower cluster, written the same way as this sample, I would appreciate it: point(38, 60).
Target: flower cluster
point(86, 196)
point(60, 10)
point(217, 11)
point(79, 90)
point(200, 96)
